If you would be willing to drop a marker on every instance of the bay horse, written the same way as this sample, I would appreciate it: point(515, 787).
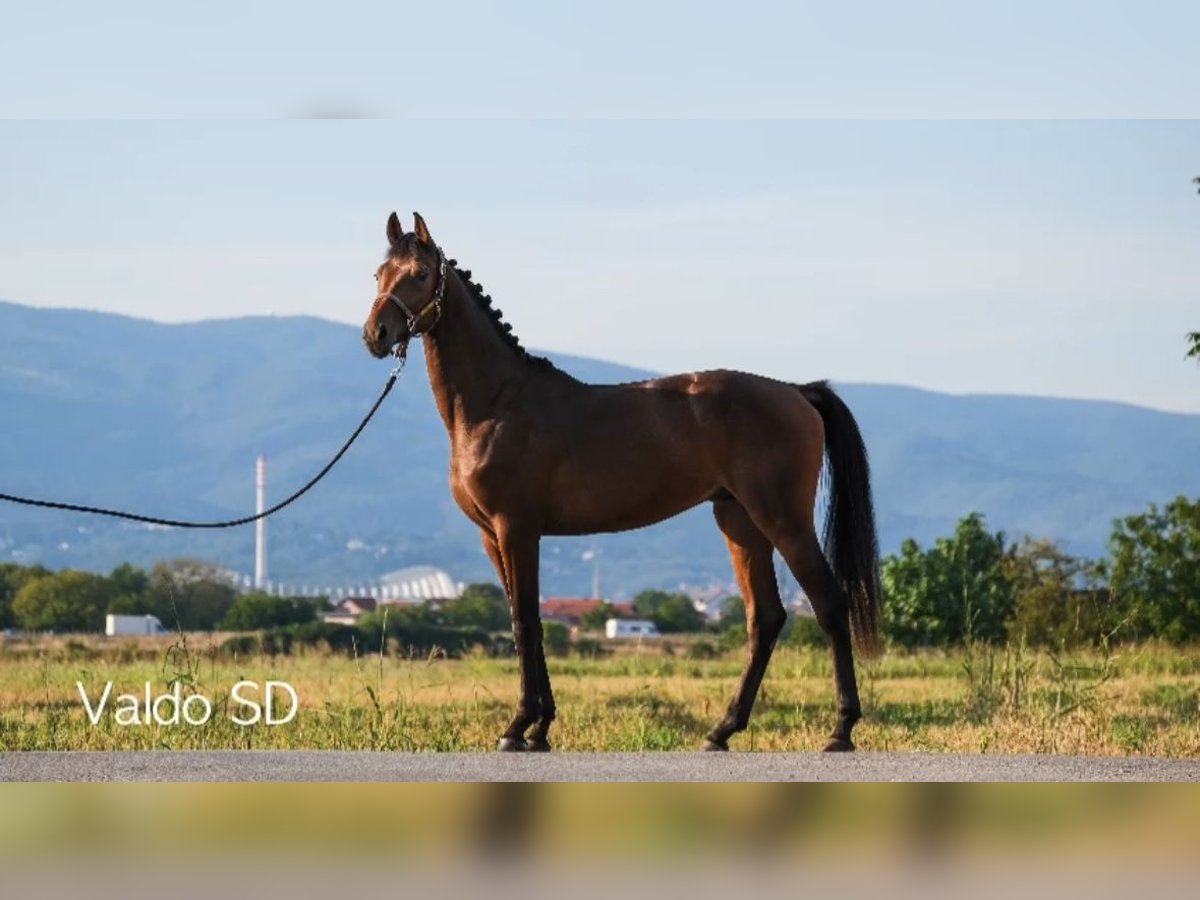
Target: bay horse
point(535, 452)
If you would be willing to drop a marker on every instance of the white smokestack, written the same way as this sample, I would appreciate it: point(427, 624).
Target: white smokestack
point(260, 536)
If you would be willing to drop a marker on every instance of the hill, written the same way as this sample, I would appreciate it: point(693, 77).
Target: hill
point(168, 420)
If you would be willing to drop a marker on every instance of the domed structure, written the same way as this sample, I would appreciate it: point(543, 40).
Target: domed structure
point(417, 584)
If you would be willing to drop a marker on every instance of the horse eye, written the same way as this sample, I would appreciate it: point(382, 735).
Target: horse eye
point(422, 273)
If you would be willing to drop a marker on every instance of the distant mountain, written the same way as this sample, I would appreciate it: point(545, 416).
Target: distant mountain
point(168, 420)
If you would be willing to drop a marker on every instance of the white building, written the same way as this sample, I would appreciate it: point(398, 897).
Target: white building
point(416, 584)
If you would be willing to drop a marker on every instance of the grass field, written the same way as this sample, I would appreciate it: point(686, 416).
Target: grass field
point(1141, 699)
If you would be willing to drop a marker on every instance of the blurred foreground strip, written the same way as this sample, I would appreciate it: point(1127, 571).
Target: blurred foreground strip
point(1098, 826)
point(551, 878)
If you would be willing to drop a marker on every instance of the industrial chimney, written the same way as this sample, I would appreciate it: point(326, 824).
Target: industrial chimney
point(260, 531)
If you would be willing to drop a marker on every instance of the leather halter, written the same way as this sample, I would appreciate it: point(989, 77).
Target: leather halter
point(414, 318)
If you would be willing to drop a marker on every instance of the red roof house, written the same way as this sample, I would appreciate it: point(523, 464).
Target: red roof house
point(569, 610)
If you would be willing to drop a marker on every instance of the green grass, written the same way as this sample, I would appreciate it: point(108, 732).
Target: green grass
point(1141, 699)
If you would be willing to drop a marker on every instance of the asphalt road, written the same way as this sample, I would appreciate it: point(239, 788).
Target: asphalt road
point(306, 765)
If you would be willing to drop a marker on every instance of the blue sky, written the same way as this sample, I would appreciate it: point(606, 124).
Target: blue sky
point(872, 191)
point(1050, 258)
point(624, 58)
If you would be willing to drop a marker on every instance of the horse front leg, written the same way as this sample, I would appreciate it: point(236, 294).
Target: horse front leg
point(519, 554)
point(537, 739)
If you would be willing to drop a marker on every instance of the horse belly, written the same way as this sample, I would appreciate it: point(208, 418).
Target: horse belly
point(588, 507)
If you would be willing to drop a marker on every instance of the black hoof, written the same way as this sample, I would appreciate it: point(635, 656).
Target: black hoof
point(839, 745)
point(712, 746)
point(537, 745)
point(512, 745)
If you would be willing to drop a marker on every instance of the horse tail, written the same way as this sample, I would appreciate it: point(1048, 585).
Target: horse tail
point(851, 544)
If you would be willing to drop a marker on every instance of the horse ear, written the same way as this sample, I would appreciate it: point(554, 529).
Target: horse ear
point(421, 230)
point(395, 230)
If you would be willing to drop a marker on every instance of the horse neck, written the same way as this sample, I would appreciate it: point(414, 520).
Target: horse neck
point(467, 359)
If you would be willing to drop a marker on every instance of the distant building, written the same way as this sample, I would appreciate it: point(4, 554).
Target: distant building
point(569, 610)
point(630, 628)
point(347, 611)
point(712, 608)
point(417, 584)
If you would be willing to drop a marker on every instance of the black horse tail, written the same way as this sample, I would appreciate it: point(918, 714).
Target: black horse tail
point(851, 544)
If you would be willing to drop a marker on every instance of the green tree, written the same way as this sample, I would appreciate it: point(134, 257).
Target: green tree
point(1155, 569)
point(145, 603)
point(7, 620)
point(188, 594)
point(13, 577)
point(256, 610)
point(672, 613)
point(1059, 599)
point(130, 595)
point(128, 580)
point(482, 605)
point(68, 600)
point(596, 618)
point(956, 590)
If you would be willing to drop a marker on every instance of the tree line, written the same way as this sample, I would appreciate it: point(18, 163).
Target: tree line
point(186, 594)
point(972, 585)
point(976, 585)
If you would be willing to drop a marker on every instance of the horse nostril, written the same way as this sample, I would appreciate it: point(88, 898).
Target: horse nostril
point(380, 331)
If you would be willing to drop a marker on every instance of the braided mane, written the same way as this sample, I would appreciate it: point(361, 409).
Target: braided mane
point(504, 329)
point(408, 244)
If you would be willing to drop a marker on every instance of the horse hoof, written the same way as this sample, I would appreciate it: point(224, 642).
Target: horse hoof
point(712, 746)
point(537, 745)
point(839, 745)
point(512, 745)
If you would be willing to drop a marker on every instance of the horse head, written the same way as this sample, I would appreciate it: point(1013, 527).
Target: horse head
point(410, 285)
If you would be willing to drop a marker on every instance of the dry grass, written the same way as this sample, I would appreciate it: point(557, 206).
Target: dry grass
point(1137, 700)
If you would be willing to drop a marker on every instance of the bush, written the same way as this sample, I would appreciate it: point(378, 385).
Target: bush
point(703, 649)
point(958, 590)
point(589, 648)
point(339, 638)
point(804, 631)
point(556, 638)
point(257, 610)
point(277, 642)
point(732, 638)
point(672, 613)
point(1058, 602)
point(500, 646)
point(482, 606)
point(241, 645)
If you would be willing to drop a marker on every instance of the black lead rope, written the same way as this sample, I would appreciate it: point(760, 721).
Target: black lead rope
point(230, 523)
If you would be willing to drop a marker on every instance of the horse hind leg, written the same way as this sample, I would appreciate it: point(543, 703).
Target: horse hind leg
point(753, 566)
point(831, 607)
